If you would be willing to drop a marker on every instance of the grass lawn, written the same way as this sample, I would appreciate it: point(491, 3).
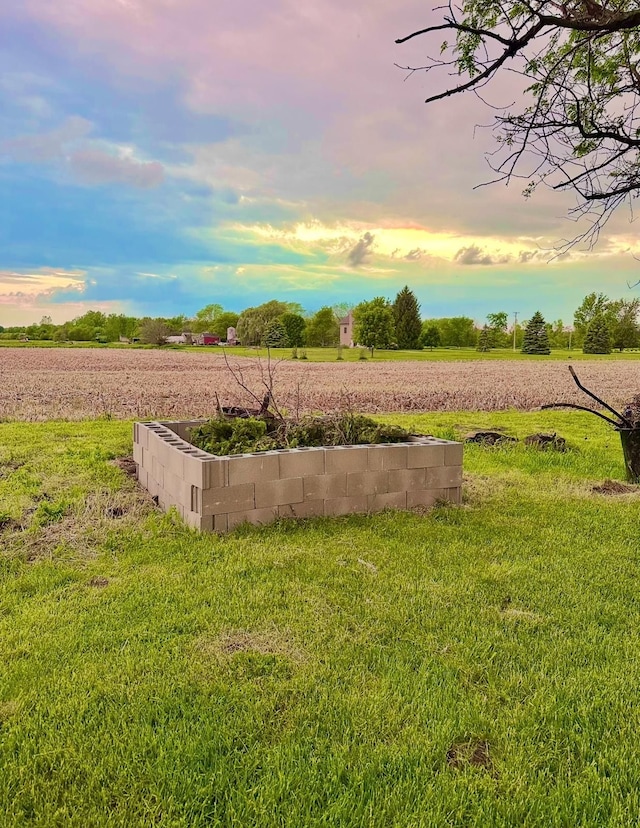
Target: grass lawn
point(348, 354)
point(475, 666)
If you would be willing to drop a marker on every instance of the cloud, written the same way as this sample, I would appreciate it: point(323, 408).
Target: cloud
point(93, 166)
point(360, 253)
point(414, 255)
point(475, 255)
point(90, 162)
point(48, 146)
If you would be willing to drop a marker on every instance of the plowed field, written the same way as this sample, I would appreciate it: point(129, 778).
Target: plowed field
point(40, 384)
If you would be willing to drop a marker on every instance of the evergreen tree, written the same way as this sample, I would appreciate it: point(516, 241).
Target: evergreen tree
point(536, 337)
point(295, 326)
point(484, 339)
point(276, 335)
point(598, 337)
point(406, 312)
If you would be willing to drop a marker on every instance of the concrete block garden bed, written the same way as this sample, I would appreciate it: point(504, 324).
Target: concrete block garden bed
point(216, 494)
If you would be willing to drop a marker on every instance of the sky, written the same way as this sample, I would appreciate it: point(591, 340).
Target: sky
point(160, 155)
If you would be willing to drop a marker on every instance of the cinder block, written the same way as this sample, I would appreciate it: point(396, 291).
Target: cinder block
point(387, 457)
point(182, 427)
point(157, 471)
point(202, 522)
point(345, 505)
point(253, 468)
point(324, 486)
point(301, 462)
point(390, 500)
point(453, 495)
point(205, 472)
point(404, 480)
point(444, 477)
point(169, 457)
point(279, 492)
point(307, 509)
point(255, 516)
point(220, 523)
point(423, 456)
point(228, 499)
point(143, 477)
point(137, 453)
point(196, 499)
point(367, 483)
point(453, 454)
point(346, 459)
point(424, 498)
point(177, 489)
point(152, 487)
point(175, 463)
point(141, 435)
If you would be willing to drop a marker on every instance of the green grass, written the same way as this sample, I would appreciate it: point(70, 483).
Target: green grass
point(348, 354)
point(427, 355)
point(317, 674)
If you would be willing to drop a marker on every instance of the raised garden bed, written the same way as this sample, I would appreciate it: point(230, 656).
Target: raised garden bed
point(216, 494)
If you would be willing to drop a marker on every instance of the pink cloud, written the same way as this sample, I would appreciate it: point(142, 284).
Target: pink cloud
point(94, 166)
point(327, 109)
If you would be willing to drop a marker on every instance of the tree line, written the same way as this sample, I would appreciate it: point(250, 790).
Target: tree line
point(600, 325)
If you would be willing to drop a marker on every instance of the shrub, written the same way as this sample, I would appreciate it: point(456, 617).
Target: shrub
point(223, 436)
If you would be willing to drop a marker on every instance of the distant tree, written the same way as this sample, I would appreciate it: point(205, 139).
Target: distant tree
point(457, 332)
point(374, 323)
point(536, 338)
point(276, 335)
point(222, 323)
point(154, 331)
point(178, 324)
point(78, 332)
point(598, 336)
point(117, 325)
point(592, 305)
point(485, 339)
point(498, 329)
point(323, 329)
point(295, 326)
point(625, 332)
point(341, 309)
point(205, 318)
point(94, 319)
point(406, 312)
point(558, 336)
point(253, 322)
point(430, 336)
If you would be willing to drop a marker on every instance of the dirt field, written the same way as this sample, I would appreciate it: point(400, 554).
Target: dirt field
point(40, 384)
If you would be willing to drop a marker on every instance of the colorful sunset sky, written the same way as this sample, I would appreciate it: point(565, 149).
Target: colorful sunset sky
point(159, 155)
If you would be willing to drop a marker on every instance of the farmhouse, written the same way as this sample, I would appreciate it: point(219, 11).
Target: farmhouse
point(346, 330)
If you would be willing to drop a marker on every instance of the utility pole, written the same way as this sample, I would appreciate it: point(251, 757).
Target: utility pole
point(515, 325)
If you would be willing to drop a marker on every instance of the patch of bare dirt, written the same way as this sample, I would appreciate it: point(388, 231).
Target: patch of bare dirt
point(269, 642)
point(81, 532)
point(470, 753)
point(544, 442)
point(99, 583)
point(127, 464)
point(7, 467)
point(489, 438)
point(614, 487)
point(9, 524)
